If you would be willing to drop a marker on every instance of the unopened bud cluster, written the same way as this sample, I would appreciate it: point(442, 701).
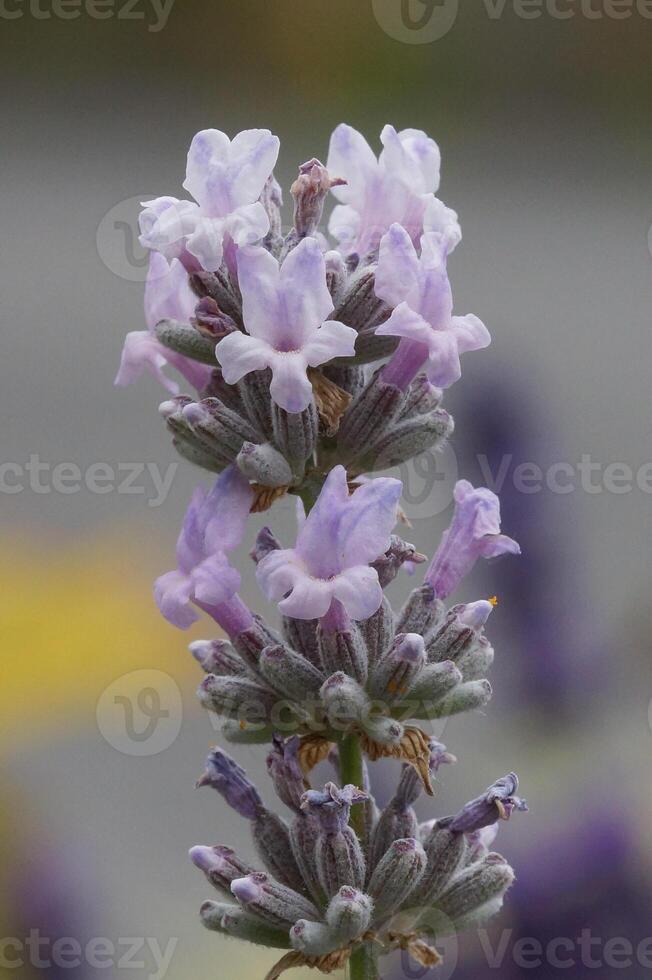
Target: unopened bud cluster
point(308, 366)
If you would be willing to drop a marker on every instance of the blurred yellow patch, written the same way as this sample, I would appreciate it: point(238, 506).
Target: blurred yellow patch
point(75, 617)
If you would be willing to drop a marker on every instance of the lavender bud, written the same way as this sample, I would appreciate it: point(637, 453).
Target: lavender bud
point(285, 771)
point(217, 657)
point(272, 200)
point(396, 875)
point(227, 394)
point(266, 543)
point(483, 883)
point(406, 439)
point(459, 631)
point(480, 842)
point(220, 429)
point(184, 339)
point(378, 631)
point(396, 672)
point(464, 697)
point(237, 697)
point(368, 416)
point(233, 921)
point(435, 682)
point(389, 565)
point(359, 306)
point(497, 802)
point(295, 435)
point(193, 452)
point(349, 914)
point(382, 729)
point(343, 650)
point(350, 378)
point(421, 398)
point(250, 643)
point(345, 701)
point(290, 673)
point(313, 939)
point(272, 839)
point(475, 663)
point(301, 634)
point(336, 276)
point(422, 612)
point(339, 857)
point(304, 835)
point(309, 191)
point(272, 901)
point(264, 464)
point(218, 286)
point(221, 866)
point(224, 775)
point(254, 392)
point(445, 853)
point(209, 320)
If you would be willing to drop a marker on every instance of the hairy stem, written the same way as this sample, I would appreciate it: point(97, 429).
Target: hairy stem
point(363, 964)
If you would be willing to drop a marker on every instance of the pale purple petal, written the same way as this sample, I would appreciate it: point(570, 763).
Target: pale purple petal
point(228, 506)
point(474, 532)
point(443, 367)
point(207, 177)
point(333, 339)
point(359, 591)
point(306, 299)
point(168, 295)
point(143, 352)
point(290, 387)
point(398, 271)
point(413, 156)
point(258, 276)
point(278, 572)
point(444, 222)
point(350, 157)
point(406, 322)
point(344, 225)
point(206, 242)
point(165, 224)
point(248, 224)
point(253, 156)
point(214, 580)
point(172, 593)
point(470, 333)
point(238, 354)
point(367, 521)
point(310, 598)
point(321, 524)
point(190, 543)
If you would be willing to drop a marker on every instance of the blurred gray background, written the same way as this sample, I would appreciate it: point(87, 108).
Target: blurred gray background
point(544, 130)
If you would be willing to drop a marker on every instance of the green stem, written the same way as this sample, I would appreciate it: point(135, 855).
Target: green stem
point(363, 964)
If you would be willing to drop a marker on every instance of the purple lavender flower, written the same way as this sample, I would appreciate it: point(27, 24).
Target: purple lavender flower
point(398, 186)
point(231, 781)
point(226, 178)
point(213, 526)
point(474, 533)
point(497, 802)
point(285, 310)
point(418, 288)
point(331, 560)
point(167, 296)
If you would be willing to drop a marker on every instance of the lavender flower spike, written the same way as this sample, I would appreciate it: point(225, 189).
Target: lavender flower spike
point(167, 296)
point(213, 526)
point(419, 290)
point(331, 560)
point(226, 178)
point(474, 533)
point(398, 186)
point(285, 310)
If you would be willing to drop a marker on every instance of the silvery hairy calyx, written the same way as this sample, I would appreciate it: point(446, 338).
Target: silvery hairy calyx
point(309, 363)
